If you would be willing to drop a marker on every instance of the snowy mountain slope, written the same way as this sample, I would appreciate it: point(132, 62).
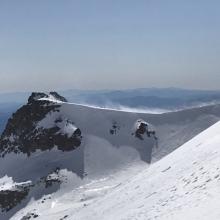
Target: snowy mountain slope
point(180, 126)
point(29, 126)
point(173, 128)
point(111, 142)
point(41, 138)
point(183, 185)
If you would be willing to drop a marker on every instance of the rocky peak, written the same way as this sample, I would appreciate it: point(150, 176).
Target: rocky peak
point(37, 96)
point(39, 125)
point(58, 97)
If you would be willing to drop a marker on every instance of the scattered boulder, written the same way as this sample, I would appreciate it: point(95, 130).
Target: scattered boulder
point(30, 215)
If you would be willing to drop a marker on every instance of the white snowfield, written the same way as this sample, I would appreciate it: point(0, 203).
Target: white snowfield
point(172, 128)
point(183, 185)
point(118, 184)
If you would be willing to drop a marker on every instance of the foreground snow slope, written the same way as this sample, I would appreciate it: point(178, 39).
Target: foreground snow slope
point(183, 185)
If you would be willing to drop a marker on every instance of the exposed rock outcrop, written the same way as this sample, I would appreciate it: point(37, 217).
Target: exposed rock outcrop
point(9, 198)
point(39, 125)
point(143, 128)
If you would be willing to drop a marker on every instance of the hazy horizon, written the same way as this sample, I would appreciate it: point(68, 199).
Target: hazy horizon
point(108, 90)
point(57, 45)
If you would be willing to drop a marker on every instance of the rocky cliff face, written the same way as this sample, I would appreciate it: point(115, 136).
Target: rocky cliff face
point(38, 125)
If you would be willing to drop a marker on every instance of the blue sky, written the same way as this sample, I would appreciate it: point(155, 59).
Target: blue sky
point(98, 44)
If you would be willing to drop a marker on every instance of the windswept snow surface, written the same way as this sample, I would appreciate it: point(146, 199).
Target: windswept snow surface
point(108, 160)
point(172, 128)
point(183, 185)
